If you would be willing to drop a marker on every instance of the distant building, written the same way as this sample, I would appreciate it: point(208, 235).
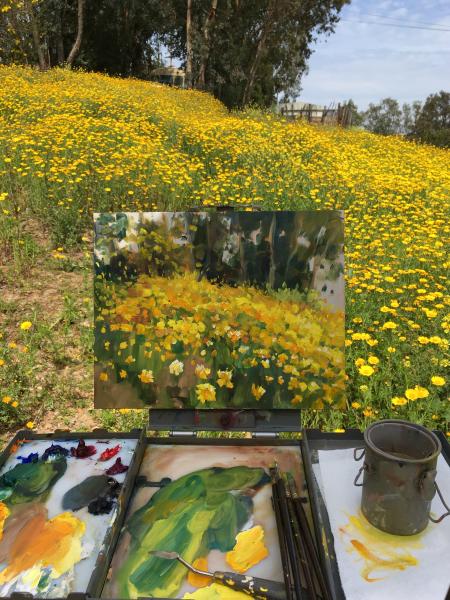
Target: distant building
point(168, 75)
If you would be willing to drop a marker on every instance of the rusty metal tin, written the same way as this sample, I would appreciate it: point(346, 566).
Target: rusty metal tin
point(399, 475)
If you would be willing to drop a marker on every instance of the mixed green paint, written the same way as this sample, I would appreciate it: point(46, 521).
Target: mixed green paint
point(192, 515)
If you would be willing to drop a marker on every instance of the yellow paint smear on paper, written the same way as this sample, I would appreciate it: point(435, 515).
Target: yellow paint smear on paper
point(4, 514)
point(55, 543)
point(248, 551)
point(215, 591)
point(199, 581)
point(379, 550)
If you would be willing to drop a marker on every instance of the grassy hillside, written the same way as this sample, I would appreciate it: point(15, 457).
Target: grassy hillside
point(72, 143)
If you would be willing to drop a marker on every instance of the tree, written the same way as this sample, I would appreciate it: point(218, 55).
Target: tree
point(432, 124)
point(35, 32)
point(410, 114)
point(384, 118)
point(249, 52)
point(189, 44)
point(243, 52)
point(206, 44)
point(77, 44)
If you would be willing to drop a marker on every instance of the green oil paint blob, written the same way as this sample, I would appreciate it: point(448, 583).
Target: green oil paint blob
point(192, 515)
point(31, 481)
point(90, 491)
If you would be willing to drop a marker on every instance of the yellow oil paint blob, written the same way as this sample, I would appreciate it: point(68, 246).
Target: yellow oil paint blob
point(248, 551)
point(215, 591)
point(379, 550)
point(40, 543)
point(199, 581)
point(4, 514)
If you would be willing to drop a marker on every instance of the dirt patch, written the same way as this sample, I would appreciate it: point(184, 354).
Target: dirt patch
point(44, 289)
point(79, 419)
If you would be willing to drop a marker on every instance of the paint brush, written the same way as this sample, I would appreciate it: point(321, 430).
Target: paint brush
point(254, 586)
point(286, 563)
point(308, 538)
point(287, 530)
point(302, 552)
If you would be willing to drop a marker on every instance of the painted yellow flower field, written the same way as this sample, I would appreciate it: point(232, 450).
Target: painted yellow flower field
point(225, 346)
point(74, 142)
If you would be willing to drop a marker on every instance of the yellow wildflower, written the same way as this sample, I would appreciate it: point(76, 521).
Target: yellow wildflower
point(202, 371)
point(398, 401)
point(258, 391)
point(146, 376)
point(206, 392)
point(366, 370)
point(224, 379)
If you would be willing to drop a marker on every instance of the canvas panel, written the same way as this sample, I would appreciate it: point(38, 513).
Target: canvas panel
point(219, 310)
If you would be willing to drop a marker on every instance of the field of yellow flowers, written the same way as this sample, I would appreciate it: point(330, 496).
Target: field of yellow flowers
point(71, 143)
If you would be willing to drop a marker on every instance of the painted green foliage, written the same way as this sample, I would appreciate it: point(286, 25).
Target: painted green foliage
point(32, 481)
point(265, 249)
point(192, 515)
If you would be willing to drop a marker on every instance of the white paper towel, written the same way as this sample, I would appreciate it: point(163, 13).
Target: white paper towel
point(428, 580)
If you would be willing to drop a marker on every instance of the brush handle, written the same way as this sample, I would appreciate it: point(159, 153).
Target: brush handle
point(264, 589)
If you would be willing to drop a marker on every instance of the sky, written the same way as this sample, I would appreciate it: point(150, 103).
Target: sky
point(368, 62)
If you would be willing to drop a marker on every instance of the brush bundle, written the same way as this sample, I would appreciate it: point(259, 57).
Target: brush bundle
point(303, 574)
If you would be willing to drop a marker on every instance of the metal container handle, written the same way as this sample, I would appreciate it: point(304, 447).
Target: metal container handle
point(446, 514)
point(355, 456)
point(365, 467)
point(355, 481)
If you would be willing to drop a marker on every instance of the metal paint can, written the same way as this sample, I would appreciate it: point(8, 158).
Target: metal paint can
point(399, 469)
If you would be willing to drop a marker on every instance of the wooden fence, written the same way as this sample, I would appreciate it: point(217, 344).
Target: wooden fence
point(340, 115)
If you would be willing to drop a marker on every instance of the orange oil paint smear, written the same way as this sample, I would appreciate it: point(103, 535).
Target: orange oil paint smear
point(196, 580)
point(55, 543)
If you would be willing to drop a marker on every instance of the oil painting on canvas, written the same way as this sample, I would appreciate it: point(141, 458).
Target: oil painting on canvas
point(58, 499)
point(212, 505)
point(219, 310)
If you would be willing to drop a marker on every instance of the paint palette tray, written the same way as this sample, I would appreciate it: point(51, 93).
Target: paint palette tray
point(347, 570)
point(197, 496)
point(63, 498)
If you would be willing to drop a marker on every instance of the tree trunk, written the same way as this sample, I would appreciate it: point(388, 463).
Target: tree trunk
point(209, 20)
point(267, 26)
point(36, 36)
point(59, 45)
point(188, 77)
point(12, 21)
point(77, 44)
